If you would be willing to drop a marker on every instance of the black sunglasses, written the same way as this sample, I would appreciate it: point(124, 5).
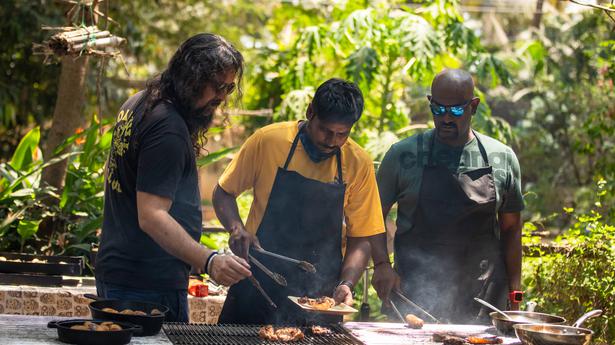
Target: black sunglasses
point(223, 88)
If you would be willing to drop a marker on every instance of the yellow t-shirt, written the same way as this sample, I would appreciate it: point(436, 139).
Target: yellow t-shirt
point(256, 165)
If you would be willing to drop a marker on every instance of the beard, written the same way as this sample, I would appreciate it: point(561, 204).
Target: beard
point(448, 131)
point(199, 119)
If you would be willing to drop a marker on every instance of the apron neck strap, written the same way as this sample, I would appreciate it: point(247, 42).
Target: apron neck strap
point(338, 154)
point(481, 148)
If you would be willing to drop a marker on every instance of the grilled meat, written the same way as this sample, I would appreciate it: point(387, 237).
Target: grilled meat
point(320, 330)
point(284, 334)
point(321, 303)
point(267, 333)
point(449, 338)
point(484, 340)
point(454, 341)
point(413, 321)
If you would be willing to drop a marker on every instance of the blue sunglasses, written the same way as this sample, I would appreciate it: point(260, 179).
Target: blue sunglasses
point(455, 110)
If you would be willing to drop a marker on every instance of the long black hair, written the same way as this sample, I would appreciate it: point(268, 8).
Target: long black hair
point(195, 64)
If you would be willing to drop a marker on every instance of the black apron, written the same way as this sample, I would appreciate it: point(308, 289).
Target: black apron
point(452, 253)
point(303, 220)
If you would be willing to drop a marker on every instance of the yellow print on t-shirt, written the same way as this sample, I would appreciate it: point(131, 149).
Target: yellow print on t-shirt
point(119, 146)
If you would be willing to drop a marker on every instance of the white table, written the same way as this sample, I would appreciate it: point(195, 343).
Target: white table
point(32, 330)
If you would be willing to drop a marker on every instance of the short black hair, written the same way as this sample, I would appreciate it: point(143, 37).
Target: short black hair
point(338, 100)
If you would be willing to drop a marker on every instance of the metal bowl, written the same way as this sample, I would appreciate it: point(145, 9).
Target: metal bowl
point(505, 326)
point(548, 334)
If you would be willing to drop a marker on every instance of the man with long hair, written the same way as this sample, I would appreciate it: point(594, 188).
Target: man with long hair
point(152, 216)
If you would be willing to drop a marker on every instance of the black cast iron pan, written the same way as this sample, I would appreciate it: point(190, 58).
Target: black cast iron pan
point(151, 323)
point(77, 336)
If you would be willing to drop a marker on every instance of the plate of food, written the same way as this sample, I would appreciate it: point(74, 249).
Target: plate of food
point(325, 305)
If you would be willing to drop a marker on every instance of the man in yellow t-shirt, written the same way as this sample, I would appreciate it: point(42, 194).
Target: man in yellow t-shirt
point(314, 190)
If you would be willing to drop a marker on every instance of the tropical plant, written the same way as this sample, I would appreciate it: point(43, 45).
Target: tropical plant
point(77, 209)
point(580, 276)
point(390, 50)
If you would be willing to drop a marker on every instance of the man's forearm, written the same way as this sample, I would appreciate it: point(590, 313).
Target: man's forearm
point(512, 254)
point(225, 206)
point(378, 244)
point(170, 235)
point(355, 261)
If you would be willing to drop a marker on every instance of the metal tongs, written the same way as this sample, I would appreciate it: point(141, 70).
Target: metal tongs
point(304, 265)
point(413, 305)
point(278, 278)
point(260, 289)
point(401, 317)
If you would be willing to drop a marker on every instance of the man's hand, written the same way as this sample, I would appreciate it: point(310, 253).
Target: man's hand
point(228, 269)
point(384, 280)
point(241, 240)
point(342, 294)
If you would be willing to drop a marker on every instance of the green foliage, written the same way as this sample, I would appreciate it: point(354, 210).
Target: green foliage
point(562, 105)
point(27, 86)
point(388, 49)
point(581, 277)
point(26, 201)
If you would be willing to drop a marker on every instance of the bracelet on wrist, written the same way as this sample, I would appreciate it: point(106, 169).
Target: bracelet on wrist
point(376, 264)
point(209, 261)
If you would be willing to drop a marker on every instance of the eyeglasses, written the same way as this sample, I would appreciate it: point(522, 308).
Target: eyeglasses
point(455, 110)
point(223, 88)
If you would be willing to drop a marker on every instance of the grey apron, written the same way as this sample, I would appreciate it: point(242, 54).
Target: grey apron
point(452, 254)
point(303, 220)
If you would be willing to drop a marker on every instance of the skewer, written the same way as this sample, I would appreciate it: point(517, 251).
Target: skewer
point(414, 305)
point(258, 286)
point(401, 317)
point(304, 265)
point(278, 278)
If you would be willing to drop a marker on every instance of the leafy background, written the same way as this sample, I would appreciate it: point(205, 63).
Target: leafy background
point(547, 91)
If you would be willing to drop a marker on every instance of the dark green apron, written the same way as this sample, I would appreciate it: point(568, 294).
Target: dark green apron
point(303, 220)
point(452, 254)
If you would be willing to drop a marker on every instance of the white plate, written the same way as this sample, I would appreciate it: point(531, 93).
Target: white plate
point(340, 309)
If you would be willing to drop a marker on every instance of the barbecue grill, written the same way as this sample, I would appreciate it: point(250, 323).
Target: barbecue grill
point(234, 334)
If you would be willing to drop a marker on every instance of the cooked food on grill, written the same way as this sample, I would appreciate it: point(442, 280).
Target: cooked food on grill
point(321, 303)
point(413, 321)
point(131, 312)
point(484, 340)
point(320, 330)
point(448, 338)
point(104, 326)
point(454, 341)
point(283, 334)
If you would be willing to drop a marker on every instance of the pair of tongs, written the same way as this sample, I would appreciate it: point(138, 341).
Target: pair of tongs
point(278, 278)
point(304, 265)
point(413, 305)
point(260, 289)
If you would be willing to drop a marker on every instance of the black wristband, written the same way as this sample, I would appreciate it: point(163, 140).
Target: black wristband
point(382, 262)
point(347, 283)
point(214, 253)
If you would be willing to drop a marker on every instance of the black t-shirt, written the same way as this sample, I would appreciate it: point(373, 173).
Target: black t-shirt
point(152, 154)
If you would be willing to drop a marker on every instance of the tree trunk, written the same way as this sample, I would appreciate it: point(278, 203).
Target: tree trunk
point(66, 119)
point(538, 14)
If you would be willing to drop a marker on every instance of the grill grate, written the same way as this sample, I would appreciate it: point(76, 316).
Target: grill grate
point(232, 334)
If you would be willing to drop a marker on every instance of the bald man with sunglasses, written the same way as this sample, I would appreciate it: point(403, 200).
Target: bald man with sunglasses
point(459, 201)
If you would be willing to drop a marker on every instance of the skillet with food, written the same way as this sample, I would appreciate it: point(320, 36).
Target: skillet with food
point(94, 332)
point(148, 315)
